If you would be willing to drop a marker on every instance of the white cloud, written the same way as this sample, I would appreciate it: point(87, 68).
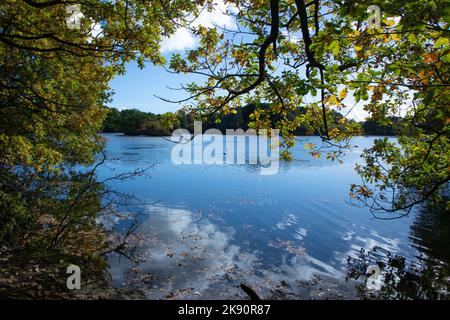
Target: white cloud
point(222, 16)
point(184, 252)
point(182, 39)
point(96, 30)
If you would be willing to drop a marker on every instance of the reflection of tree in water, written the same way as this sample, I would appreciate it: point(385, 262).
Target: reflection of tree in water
point(425, 278)
point(430, 234)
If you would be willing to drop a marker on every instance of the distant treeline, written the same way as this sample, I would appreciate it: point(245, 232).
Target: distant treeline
point(136, 122)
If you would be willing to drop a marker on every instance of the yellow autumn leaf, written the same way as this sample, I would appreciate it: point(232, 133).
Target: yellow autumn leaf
point(343, 93)
point(308, 146)
point(315, 154)
point(332, 100)
point(390, 22)
point(334, 133)
point(395, 37)
point(442, 41)
point(354, 33)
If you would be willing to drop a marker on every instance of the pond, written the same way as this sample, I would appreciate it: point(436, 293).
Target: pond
point(207, 228)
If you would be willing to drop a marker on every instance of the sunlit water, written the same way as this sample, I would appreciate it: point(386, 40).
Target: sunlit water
point(207, 228)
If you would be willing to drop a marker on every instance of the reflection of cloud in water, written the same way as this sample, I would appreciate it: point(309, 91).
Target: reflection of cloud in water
point(300, 233)
point(367, 243)
point(184, 251)
point(305, 267)
point(186, 256)
point(310, 278)
point(348, 235)
point(287, 222)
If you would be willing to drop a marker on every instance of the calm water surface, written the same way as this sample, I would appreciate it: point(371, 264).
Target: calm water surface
point(207, 228)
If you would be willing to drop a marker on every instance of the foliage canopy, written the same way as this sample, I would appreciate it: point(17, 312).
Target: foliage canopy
point(53, 88)
point(324, 55)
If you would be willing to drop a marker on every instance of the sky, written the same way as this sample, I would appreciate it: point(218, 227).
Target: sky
point(138, 88)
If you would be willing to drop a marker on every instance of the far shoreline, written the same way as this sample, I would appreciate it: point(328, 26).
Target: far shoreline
point(165, 136)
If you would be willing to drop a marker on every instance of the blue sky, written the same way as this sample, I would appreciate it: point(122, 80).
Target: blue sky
point(137, 89)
